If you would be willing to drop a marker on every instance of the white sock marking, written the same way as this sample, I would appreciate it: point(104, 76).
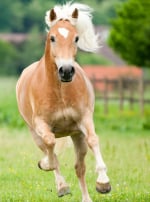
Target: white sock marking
point(64, 32)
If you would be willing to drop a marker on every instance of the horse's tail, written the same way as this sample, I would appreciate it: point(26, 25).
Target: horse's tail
point(62, 144)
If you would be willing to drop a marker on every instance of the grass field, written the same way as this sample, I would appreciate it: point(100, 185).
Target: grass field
point(125, 145)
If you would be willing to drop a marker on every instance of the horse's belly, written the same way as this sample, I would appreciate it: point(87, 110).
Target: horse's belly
point(65, 128)
point(65, 122)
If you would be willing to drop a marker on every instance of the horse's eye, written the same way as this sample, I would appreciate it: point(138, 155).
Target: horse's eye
point(76, 39)
point(52, 39)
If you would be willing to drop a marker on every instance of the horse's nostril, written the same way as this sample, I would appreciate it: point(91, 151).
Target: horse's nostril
point(61, 71)
point(72, 71)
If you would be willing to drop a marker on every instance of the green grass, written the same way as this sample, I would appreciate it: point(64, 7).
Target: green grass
point(9, 115)
point(127, 157)
point(125, 146)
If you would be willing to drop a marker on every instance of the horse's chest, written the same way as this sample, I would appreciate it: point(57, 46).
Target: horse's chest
point(65, 122)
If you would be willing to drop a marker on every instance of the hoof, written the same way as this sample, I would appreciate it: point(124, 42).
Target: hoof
point(103, 188)
point(45, 168)
point(40, 166)
point(63, 191)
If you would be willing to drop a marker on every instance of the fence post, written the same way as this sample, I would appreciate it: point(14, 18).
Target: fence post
point(106, 96)
point(121, 94)
point(141, 94)
point(132, 82)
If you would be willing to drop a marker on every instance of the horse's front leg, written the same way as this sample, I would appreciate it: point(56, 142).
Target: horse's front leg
point(41, 128)
point(102, 183)
point(45, 139)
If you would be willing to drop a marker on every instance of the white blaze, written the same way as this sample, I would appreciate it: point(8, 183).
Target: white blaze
point(64, 32)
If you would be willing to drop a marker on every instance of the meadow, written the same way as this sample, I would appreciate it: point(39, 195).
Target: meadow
point(125, 145)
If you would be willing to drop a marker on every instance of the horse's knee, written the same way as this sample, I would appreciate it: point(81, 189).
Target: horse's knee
point(92, 141)
point(49, 141)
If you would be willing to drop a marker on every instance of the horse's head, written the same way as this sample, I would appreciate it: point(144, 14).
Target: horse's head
point(63, 41)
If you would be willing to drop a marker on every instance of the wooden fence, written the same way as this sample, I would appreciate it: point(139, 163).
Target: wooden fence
point(122, 90)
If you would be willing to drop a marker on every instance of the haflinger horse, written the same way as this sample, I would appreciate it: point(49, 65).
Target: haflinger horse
point(56, 99)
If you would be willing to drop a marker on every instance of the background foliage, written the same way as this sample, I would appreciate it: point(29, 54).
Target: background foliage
point(27, 16)
point(129, 35)
point(130, 32)
point(9, 58)
point(29, 13)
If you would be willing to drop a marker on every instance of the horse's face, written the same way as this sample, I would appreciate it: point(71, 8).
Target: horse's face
point(63, 42)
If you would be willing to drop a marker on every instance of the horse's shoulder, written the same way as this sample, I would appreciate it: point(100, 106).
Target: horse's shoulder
point(30, 68)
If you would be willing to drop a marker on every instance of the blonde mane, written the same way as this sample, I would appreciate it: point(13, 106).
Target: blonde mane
point(88, 40)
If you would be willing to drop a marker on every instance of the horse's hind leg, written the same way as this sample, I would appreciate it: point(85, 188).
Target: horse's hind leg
point(102, 183)
point(81, 150)
point(44, 164)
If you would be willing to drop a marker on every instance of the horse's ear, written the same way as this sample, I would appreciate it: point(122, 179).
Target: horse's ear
point(75, 13)
point(52, 15)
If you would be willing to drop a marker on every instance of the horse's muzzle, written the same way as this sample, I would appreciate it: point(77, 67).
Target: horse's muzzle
point(66, 73)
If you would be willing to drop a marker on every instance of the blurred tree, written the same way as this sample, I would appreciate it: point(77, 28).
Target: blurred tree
point(35, 12)
point(22, 15)
point(32, 49)
point(11, 16)
point(8, 59)
point(130, 34)
point(105, 10)
point(25, 1)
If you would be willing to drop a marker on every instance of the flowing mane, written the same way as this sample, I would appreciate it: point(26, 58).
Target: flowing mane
point(88, 40)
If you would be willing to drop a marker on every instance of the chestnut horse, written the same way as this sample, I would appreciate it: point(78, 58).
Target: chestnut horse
point(56, 99)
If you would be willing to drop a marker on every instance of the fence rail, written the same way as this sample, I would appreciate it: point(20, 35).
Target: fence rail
point(130, 90)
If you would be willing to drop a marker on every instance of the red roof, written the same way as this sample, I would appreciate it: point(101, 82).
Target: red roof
point(105, 72)
point(112, 72)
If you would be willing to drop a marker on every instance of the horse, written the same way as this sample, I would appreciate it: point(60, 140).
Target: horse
point(56, 99)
